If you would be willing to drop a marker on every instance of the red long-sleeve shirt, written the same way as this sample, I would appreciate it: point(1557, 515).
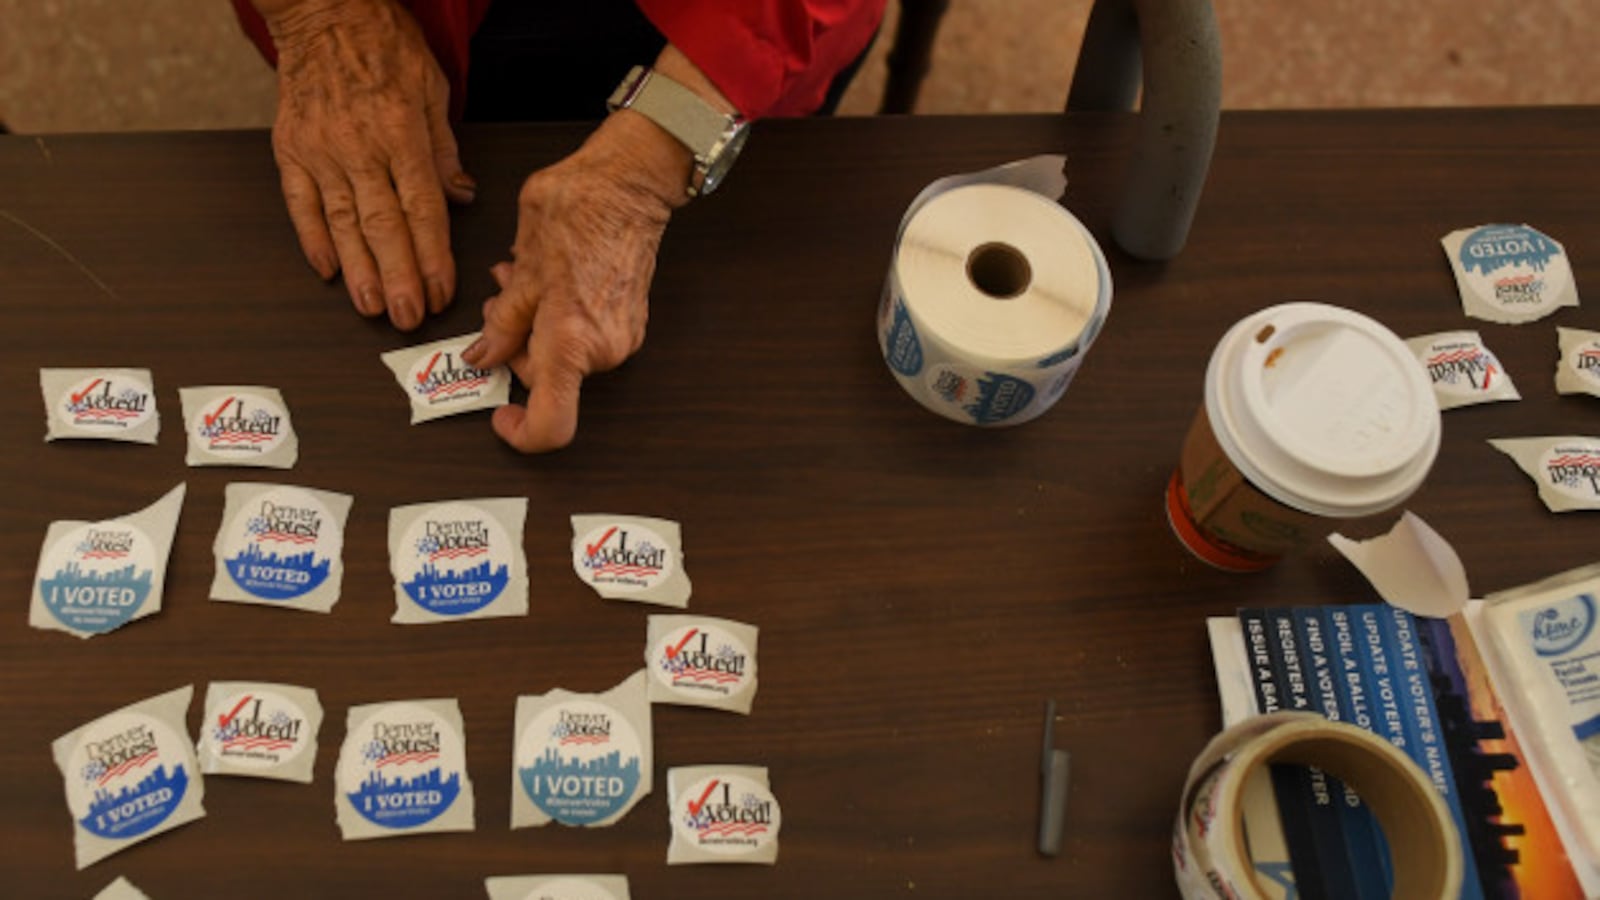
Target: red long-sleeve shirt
point(768, 57)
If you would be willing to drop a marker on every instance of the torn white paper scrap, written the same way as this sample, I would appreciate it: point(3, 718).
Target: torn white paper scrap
point(1566, 469)
point(557, 887)
point(1510, 273)
point(130, 775)
point(1462, 369)
point(1411, 567)
point(1578, 369)
point(104, 404)
point(94, 577)
point(403, 770)
point(722, 814)
point(631, 558)
point(121, 889)
point(280, 545)
point(238, 426)
point(438, 383)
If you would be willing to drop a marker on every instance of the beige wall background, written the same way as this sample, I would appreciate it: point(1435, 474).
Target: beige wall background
point(103, 65)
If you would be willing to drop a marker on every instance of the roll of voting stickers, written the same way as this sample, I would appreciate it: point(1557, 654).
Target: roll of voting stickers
point(280, 546)
point(403, 770)
point(100, 404)
point(130, 775)
point(260, 730)
point(557, 887)
point(460, 559)
point(722, 814)
point(238, 426)
point(581, 759)
point(95, 577)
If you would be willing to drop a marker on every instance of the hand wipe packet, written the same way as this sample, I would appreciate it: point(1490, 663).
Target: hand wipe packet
point(722, 814)
point(1510, 273)
point(1462, 369)
point(701, 661)
point(1547, 637)
point(581, 759)
point(238, 426)
point(108, 404)
point(130, 775)
point(459, 559)
point(557, 887)
point(439, 384)
point(1566, 469)
point(281, 546)
point(94, 577)
point(631, 558)
point(403, 770)
point(1578, 370)
point(121, 889)
point(260, 730)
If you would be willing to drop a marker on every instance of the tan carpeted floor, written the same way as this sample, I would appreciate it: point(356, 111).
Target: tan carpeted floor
point(94, 65)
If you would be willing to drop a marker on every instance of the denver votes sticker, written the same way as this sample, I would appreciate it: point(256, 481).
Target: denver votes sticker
point(94, 577)
point(458, 559)
point(280, 545)
point(238, 426)
point(1510, 273)
point(581, 759)
point(130, 775)
point(403, 770)
point(722, 814)
point(108, 404)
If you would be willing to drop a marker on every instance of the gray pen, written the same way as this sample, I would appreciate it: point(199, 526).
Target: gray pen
point(1053, 787)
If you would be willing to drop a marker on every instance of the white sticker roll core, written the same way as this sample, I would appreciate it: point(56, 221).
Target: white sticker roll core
point(994, 294)
point(1209, 851)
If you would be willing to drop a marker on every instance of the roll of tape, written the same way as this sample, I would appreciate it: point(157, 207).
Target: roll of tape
point(994, 294)
point(1208, 841)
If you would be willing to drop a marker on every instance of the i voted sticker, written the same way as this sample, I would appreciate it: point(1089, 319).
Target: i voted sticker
point(260, 730)
point(238, 426)
point(722, 814)
point(1510, 273)
point(281, 546)
point(581, 759)
point(107, 404)
point(631, 558)
point(402, 769)
point(439, 383)
point(984, 398)
point(702, 661)
point(459, 559)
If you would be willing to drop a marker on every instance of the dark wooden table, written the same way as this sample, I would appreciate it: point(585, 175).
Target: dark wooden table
point(921, 587)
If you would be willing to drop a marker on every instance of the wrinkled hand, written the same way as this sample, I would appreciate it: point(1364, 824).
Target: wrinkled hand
point(575, 297)
point(365, 152)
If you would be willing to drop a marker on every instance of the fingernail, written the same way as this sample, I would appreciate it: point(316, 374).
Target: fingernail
point(371, 300)
point(462, 181)
point(475, 352)
point(325, 265)
point(437, 296)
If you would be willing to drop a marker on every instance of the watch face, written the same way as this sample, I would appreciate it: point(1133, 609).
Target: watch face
point(717, 168)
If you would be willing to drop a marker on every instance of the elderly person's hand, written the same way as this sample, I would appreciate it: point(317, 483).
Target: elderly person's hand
point(365, 152)
point(575, 297)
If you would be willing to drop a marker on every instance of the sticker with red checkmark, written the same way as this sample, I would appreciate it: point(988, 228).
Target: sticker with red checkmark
point(108, 404)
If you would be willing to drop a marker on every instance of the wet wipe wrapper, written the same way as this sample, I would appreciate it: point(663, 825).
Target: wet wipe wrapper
point(439, 384)
point(121, 889)
point(130, 775)
point(1578, 370)
point(238, 426)
point(403, 770)
point(95, 577)
point(280, 546)
point(701, 661)
point(1566, 469)
point(722, 814)
point(581, 759)
point(1462, 370)
point(1510, 273)
point(458, 559)
point(103, 404)
point(260, 730)
point(557, 887)
point(631, 558)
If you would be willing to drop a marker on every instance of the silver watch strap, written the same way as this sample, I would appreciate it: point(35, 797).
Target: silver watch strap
point(683, 113)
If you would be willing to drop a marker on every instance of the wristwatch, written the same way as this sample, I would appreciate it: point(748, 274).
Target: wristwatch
point(713, 136)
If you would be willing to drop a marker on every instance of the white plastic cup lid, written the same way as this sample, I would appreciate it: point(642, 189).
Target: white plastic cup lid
point(1323, 409)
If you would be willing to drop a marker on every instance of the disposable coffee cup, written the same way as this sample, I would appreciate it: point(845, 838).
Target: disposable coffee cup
point(1313, 414)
